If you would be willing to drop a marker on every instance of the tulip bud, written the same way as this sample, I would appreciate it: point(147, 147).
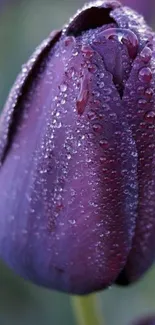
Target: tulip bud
point(77, 155)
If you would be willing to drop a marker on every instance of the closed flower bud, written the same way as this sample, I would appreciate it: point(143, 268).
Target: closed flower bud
point(77, 146)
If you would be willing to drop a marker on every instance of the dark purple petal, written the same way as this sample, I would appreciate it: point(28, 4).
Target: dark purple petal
point(139, 100)
point(68, 177)
point(11, 112)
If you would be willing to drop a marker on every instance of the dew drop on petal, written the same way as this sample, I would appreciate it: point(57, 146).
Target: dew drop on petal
point(63, 88)
point(63, 101)
point(83, 95)
point(97, 127)
point(69, 40)
point(75, 53)
point(145, 75)
point(92, 115)
point(124, 36)
point(141, 90)
point(87, 51)
point(107, 91)
point(150, 117)
point(104, 144)
point(149, 93)
point(101, 85)
point(103, 160)
point(69, 156)
point(142, 103)
point(92, 68)
point(146, 54)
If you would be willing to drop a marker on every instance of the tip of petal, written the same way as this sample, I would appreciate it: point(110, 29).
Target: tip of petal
point(100, 4)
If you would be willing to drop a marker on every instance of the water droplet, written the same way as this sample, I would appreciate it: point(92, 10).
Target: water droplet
point(24, 68)
point(107, 91)
point(150, 117)
point(72, 222)
point(103, 160)
point(146, 54)
point(149, 93)
point(107, 99)
point(69, 156)
point(92, 68)
point(91, 136)
point(97, 127)
point(124, 36)
point(104, 144)
point(69, 40)
point(57, 114)
point(141, 90)
point(92, 115)
point(145, 75)
point(63, 88)
point(87, 51)
point(96, 93)
point(59, 125)
point(79, 143)
point(83, 95)
point(101, 85)
point(106, 107)
point(63, 101)
point(142, 103)
point(88, 160)
point(59, 204)
point(75, 53)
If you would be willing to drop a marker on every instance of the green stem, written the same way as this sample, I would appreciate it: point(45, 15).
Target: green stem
point(87, 311)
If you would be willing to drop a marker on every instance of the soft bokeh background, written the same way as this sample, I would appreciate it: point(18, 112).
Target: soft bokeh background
point(23, 24)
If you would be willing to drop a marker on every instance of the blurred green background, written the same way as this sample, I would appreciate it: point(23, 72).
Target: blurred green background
point(23, 24)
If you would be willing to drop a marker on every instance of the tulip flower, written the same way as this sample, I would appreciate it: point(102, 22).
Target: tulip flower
point(77, 174)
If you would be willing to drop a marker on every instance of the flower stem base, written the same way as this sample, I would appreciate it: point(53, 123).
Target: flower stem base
point(87, 310)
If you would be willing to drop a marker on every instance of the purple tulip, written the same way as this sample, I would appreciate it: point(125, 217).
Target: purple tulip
point(77, 175)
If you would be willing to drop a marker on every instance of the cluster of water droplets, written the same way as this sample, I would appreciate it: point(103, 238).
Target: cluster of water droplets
point(75, 150)
point(139, 97)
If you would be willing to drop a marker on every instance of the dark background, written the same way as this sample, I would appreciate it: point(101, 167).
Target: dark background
point(23, 24)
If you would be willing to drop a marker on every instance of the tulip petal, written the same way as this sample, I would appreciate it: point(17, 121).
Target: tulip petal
point(139, 101)
point(94, 14)
point(10, 111)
